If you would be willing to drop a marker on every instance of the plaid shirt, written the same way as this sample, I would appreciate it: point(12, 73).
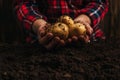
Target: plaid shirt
point(29, 10)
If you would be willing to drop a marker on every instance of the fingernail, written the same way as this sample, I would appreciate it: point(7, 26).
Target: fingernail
point(42, 33)
point(88, 41)
point(49, 35)
point(69, 40)
point(62, 42)
point(56, 39)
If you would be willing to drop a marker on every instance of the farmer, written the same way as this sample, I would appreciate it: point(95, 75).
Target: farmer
point(37, 15)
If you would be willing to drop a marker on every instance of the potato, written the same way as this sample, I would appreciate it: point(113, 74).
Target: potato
point(59, 29)
point(78, 29)
point(67, 20)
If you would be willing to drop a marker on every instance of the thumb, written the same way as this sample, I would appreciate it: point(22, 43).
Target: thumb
point(88, 28)
point(41, 31)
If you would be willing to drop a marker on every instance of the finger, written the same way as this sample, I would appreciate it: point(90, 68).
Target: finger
point(88, 28)
point(69, 40)
point(81, 38)
point(87, 39)
point(62, 43)
point(46, 39)
point(74, 38)
point(84, 38)
point(42, 33)
point(53, 43)
point(48, 25)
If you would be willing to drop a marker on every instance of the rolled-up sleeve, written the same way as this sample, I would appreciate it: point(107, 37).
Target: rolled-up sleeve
point(96, 10)
point(27, 12)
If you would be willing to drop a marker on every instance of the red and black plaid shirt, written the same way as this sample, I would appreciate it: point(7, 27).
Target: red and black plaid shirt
point(29, 10)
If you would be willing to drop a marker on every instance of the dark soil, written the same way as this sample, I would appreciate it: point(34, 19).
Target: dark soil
point(95, 61)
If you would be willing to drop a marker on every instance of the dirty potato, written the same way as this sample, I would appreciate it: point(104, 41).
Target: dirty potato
point(59, 29)
point(67, 20)
point(78, 29)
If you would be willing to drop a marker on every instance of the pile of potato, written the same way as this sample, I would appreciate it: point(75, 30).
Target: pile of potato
point(65, 27)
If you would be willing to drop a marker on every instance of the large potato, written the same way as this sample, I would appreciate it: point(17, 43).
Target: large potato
point(67, 20)
point(60, 29)
point(78, 29)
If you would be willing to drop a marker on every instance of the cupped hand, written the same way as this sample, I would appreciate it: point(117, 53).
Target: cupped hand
point(47, 39)
point(83, 19)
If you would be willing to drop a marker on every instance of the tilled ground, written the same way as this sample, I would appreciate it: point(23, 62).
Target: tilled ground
point(98, 61)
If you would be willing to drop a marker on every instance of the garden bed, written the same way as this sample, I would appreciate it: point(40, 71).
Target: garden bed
point(95, 61)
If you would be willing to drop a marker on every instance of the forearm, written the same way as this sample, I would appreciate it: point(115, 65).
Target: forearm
point(95, 10)
point(27, 13)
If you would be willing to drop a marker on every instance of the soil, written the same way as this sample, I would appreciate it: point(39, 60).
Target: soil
point(94, 61)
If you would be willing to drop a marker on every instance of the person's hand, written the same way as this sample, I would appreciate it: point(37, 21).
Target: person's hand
point(47, 40)
point(84, 19)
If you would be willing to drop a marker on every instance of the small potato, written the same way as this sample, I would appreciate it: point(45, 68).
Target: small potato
point(60, 29)
point(67, 20)
point(78, 29)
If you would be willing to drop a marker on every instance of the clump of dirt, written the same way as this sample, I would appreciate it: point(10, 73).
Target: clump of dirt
point(94, 61)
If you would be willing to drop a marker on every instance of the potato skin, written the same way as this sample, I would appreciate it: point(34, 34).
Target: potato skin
point(59, 29)
point(65, 27)
point(67, 20)
point(78, 29)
